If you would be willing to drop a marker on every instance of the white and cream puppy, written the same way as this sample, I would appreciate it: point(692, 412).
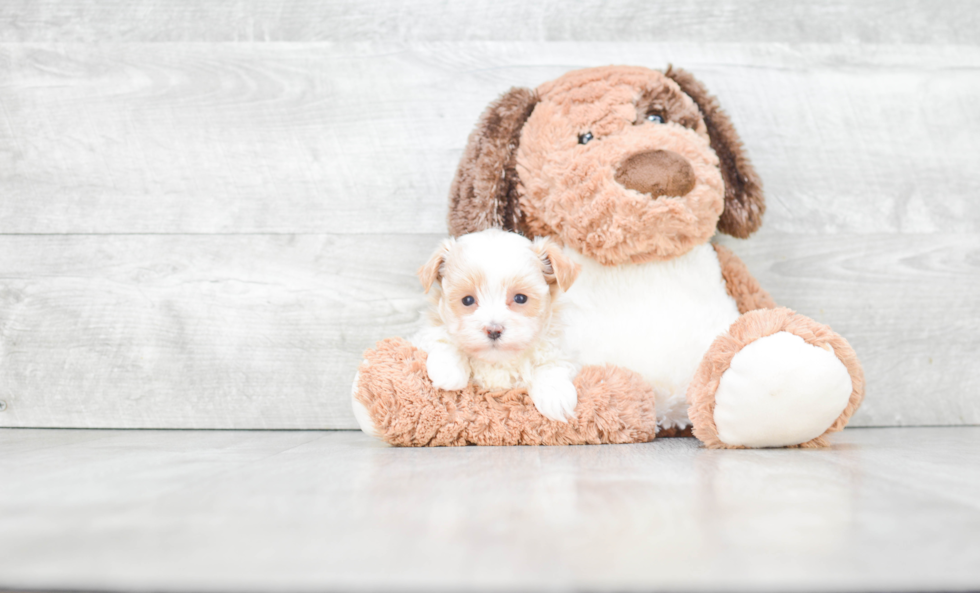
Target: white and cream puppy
point(495, 317)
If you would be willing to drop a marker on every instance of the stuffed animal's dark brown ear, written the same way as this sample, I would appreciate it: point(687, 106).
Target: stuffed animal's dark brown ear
point(744, 201)
point(484, 192)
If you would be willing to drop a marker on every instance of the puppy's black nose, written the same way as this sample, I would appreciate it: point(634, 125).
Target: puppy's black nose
point(494, 331)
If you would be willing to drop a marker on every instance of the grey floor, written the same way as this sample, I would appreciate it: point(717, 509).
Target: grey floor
point(884, 509)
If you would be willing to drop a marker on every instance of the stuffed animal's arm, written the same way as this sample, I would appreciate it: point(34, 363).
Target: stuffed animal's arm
point(396, 402)
point(740, 284)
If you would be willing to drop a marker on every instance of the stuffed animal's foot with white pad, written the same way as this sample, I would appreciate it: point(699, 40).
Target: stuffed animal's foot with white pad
point(776, 379)
point(553, 392)
point(780, 391)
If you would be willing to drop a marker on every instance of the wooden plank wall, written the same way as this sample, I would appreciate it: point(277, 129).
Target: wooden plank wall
point(209, 210)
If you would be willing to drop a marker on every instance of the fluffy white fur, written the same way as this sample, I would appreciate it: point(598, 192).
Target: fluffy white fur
point(493, 267)
point(657, 319)
point(780, 391)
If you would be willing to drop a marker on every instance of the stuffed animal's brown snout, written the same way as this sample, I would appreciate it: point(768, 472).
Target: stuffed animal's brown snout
point(657, 173)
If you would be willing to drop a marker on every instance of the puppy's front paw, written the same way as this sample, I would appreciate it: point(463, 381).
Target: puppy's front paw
point(553, 394)
point(446, 372)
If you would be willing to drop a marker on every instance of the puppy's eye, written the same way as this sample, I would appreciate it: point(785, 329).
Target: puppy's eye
point(585, 138)
point(655, 118)
point(468, 300)
point(520, 299)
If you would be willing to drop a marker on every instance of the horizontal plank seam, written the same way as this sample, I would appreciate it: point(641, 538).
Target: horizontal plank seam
point(244, 234)
point(81, 428)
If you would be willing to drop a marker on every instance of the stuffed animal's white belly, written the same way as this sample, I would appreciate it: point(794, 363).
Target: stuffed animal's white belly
point(657, 319)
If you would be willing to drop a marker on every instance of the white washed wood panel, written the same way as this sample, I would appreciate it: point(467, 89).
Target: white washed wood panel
point(364, 137)
point(825, 21)
point(266, 331)
point(197, 332)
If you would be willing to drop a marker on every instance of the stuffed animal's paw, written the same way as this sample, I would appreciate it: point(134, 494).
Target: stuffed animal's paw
point(780, 391)
point(553, 394)
point(775, 379)
point(447, 371)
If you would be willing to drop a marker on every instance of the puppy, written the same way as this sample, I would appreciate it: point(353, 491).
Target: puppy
point(494, 318)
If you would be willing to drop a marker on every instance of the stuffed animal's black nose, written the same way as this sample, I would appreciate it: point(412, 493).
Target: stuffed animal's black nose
point(494, 331)
point(657, 173)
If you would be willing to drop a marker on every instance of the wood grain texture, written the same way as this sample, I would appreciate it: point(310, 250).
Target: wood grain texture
point(364, 138)
point(746, 21)
point(197, 332)
point(906, 303)
point(266, 331)
point(199, 228)
point(208, 511)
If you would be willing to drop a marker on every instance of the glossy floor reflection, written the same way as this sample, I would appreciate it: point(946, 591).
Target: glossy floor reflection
point(884, 509)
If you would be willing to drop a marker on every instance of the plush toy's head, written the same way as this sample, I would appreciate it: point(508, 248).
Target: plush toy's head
point(625, 164)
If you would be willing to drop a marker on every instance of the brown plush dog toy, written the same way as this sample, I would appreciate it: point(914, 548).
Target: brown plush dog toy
point(632, 170)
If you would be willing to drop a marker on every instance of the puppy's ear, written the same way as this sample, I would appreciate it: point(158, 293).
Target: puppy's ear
point(432, 270)
point(558, 268)
point(744, 201)
point(484, 192)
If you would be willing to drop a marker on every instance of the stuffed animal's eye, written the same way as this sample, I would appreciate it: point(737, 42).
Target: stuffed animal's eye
point(655, 118)
point(468, 300)
point(584, 138)
point(520, 299)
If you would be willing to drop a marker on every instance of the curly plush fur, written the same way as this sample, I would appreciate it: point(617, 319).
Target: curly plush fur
point(740, 284)
point(614, 406)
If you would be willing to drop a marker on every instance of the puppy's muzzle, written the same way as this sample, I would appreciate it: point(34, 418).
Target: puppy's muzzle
point(494, 331)
point(657, 173)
